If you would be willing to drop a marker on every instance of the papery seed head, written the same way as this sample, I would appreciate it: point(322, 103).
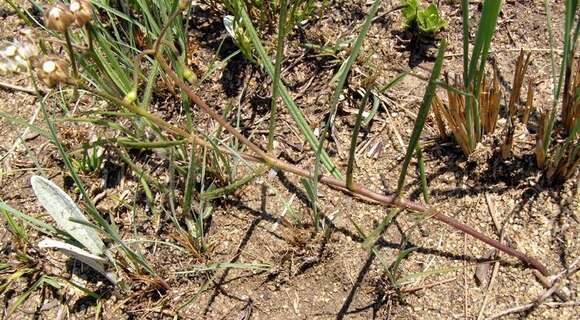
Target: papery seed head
point(4, 70)
point(9, 51)
point(27, 50)
point(20, 63)
point(8, 65)
point(54, 70)
point(74, 6)
point(58, 18)
point(82, 11)
point(49, 66)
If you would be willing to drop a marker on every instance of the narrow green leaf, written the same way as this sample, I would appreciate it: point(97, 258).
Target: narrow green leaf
point(422, 115)
point(285, 95)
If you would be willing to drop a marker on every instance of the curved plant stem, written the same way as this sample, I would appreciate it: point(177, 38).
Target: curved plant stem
point(263, 157)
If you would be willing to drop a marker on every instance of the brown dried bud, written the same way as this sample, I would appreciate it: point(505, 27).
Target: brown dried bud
point(53, 71)
point(58, 18)
point(82, 11)
point(183, 4)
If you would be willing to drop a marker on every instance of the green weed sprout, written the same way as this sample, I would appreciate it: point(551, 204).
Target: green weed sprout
point(428, 20)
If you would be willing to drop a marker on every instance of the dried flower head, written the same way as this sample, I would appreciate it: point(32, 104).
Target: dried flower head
point(9, 51)
point(10, 60)
point(82, 11)
point(7, 66)
point(27, 50)
point(26, 43)
point(53, 71)
point(58, 18)
point(184, 4)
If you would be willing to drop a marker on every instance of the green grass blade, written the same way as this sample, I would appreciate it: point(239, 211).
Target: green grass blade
point(465, 22)
point(312, 192)
point(227, 265)
point(355, 131)
point(422, 175)
point(37, 224)
point(373, 237)
point(485, 31)
point(422, 115)
point(345, 69)
point(285, 95)
point(277, 70)
point(570, 39)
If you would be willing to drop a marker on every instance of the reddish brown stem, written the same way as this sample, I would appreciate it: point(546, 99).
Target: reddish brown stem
point(356, 189)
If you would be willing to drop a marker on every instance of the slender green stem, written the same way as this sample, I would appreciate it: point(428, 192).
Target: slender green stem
point(188, 193)
point(422, 175)
point(71, 54)
point(422, 115)
point(355, 131)
point(149, 145)
point(465, 11)
point(278, 68)
point(215, 193)
point(345, 69)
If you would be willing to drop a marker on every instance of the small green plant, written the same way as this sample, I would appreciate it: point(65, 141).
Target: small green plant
point(427, 20)
point(561, 160)
point(92, 158)
point(287, 13)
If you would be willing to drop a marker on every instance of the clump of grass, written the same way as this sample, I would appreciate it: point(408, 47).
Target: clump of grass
point(561, 161)
point(473, 102)
point(519, 73)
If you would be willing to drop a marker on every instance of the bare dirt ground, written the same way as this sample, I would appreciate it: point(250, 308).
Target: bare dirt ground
point(318, 277)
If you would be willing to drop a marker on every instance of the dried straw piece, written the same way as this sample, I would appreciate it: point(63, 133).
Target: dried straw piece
point(437, 111)
point(570, 105)
point(489, 102)
point(506, 147)
point(521, 68)
point(540, 153)
point(529, 103)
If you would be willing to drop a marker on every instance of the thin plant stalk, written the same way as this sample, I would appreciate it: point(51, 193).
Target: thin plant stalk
point(354, 138)
point(357, 189)
point(189, 183)
point(465, 22)
point(475, 65)
point(422, 115)
point(345, 69)
point(285, 95)
point(570, 39)
point(277, 70)
point(422, 175)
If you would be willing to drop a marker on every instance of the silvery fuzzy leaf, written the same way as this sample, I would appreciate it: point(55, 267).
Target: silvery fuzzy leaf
point(93, 261)
point(229, 24)
point(62, 208)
